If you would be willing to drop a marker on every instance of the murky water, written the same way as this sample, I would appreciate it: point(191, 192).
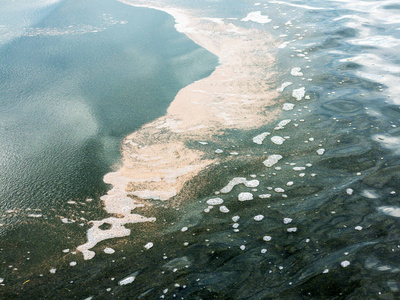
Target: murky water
point(310, 209)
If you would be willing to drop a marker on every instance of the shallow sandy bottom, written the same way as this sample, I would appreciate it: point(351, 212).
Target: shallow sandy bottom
point(156, 159)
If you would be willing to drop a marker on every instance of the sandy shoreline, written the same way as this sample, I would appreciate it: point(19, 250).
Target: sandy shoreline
point(156, 161)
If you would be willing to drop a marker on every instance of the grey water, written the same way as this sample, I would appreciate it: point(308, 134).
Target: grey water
point(330, 206)
point(73, 84)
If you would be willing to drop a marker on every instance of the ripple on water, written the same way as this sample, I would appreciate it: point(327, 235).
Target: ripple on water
point(342, 106)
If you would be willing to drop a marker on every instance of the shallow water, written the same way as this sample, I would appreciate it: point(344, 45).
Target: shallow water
point(323, 219)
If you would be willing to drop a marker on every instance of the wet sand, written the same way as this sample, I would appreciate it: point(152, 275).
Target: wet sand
point(156, 160)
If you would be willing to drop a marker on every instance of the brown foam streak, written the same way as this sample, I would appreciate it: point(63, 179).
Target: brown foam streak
point(156, 161)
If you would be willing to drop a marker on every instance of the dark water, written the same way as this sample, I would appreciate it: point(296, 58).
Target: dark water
point(330, 206)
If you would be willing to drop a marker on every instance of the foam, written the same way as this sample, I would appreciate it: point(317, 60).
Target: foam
point(284, 85)
point(245, 196)
point(156, 161)
point(392, 211)
point(288, 106)
point(239, 180)
point(129, 279)
point(296, 72)
point(258, 218)
point(223, 209)
point(260, 138)
point(215, 201)
point(370, 194)
point(256, 16)
point(267, 238)
point(264, 196)
point(287, 220)
point(148, 246)
point(299, 93)
point(109, 250)
point(278, 140)
point(345, 263)
point(282, 124)
point(272, 160)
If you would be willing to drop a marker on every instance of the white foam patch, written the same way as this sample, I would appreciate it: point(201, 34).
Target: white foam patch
point(299, 93)
point(129, 279)
point(258, 218)
point(245, 196)
point(321, 151)
point(235, 218)
point(287, 220)
point(1, 280)
point(116, 202)
point(223, 209)
point(370, 194)
point(277, 140)
point(288, 106)
point(239, 180)
point(35, 215)
point(296, 72)
point(272, 160)
point(293, 229)
point(390, 211)
point(284, 86)
point(264, 196)
point(345, 263)
point(109, 250)
point(299, 168)
point(260, 138)
point(149, 245)
point(215, 201)
point(282, 124)
point(267, 238)
point(257, 17)
point(349, 191)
